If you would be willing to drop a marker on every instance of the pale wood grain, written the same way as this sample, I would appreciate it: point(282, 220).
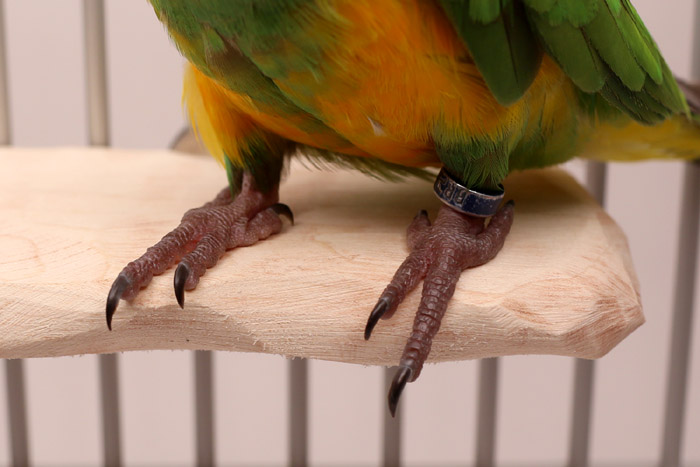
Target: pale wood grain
point(71, 218)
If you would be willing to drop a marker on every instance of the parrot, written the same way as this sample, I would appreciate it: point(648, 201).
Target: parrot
point(474, 88)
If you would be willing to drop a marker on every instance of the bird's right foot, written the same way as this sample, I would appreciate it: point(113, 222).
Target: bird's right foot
point(439, 254)
point(202, 237)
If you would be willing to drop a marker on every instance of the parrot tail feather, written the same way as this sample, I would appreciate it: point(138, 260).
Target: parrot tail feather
point(676, 138)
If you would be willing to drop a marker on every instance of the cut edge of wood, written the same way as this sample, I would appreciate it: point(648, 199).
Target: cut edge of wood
point(152, 323)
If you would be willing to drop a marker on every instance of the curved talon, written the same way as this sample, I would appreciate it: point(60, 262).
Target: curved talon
point(282, 209)
point(439, 253)
point(379, 309)
point(182, 273)
point(120, 284)
point(402, 376)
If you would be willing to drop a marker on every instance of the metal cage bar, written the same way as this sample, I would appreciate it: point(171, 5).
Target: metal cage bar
point(96, 69)
point(98, 118)
point(486, 418)
point(5, 127)
point(584, 370)
point(682, 318)
point(683, 300)
point(298, 412)
point(204, 406)
point(14, 369)
point(109, 388)
point(391, 449)
point(16, 404)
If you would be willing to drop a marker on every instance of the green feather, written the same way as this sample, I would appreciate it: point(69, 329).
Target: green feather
point(602, 45)
point(612, 53)
point(668, 93)
point(612, 47)
point(375, 168)
point(615, 6)
point(540, 6)
point(234, 176)
point(504, 49)
point(638, 46)
point(574, 12)
point(212, 35)
point(485, 11)
point(572, 51)
point(638, 105)
point(218, 37)
point(478, 161)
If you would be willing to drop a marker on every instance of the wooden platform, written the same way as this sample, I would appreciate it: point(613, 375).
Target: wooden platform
point(70, 219)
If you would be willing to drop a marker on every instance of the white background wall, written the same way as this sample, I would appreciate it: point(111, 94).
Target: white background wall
point(47, 87)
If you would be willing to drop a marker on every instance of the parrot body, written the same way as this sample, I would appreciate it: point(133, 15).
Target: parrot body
point(477, 87)
point(396, 81)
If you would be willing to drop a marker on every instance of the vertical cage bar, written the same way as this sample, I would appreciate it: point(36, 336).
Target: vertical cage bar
point(5, 129)
point(486, 418)
point(14, 369)
point(596, 178)
point(696, 44)
point(19, 442)
point(584, 370)
point(204, 401)
point(683, 300)
point(581, 419)
point(391, 451)
point(96, 66)
point(298, 412)
point(109, 387)
point(98, 122)
point(682, 318)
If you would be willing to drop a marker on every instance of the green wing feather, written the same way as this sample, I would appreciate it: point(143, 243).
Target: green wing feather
point(602, 45)
point(501, 43)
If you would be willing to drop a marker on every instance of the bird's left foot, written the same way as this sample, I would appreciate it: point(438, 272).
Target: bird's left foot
point(439, 254)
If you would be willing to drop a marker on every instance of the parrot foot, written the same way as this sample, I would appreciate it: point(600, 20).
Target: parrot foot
point(203, 236)
point(439, 254)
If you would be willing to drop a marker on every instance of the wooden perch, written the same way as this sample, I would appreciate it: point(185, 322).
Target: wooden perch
point(72, 218)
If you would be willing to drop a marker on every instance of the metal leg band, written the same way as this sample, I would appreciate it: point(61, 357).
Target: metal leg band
point(461, 198)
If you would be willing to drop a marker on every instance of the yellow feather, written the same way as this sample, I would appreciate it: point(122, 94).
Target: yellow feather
point(221, 126)
point(199, 119)
point(227, 122)
point(676, 138)
point(385, 85)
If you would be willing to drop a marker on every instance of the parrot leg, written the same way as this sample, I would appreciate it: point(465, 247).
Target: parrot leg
point(439, 254)
point(202, 237)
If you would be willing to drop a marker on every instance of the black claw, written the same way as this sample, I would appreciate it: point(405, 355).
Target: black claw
point(511, 202)
point(182, 272)
point(283, 210)
point(402, 376)
point(422, 212)
point(379, 309)
point(115, 294)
